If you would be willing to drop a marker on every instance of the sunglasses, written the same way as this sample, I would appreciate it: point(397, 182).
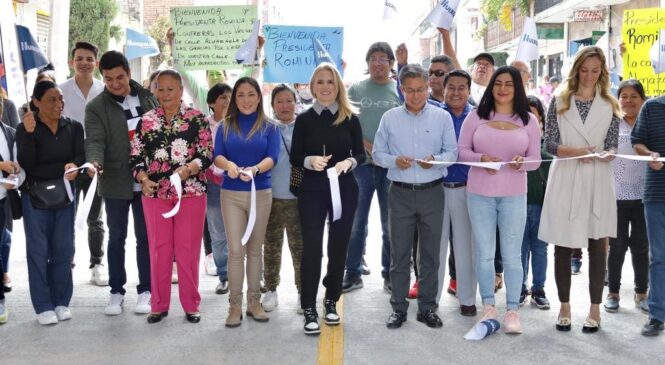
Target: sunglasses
point(437, 73)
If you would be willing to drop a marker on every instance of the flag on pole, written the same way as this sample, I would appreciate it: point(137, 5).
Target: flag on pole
point(246, 54)
point(658, 54)
point(389, 9)
point(443, 13)
point(320, 53)
point(139, 45)
point(527, 48)
point(31, 55)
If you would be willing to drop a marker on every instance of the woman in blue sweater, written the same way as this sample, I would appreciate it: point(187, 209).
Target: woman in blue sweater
point(246, 148)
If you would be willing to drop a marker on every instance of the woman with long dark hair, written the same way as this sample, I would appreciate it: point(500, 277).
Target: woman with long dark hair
point(501, 129)
point(580, 208)
point(246, 148)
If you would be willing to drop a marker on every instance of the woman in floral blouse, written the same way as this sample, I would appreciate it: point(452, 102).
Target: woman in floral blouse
point(173, 138)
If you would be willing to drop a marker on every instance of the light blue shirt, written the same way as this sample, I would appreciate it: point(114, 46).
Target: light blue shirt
point(402, 133)
point(281, 172)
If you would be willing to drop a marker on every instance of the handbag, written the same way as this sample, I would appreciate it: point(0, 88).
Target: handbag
point(296, 172)
point(13, 196)
point(49, 194)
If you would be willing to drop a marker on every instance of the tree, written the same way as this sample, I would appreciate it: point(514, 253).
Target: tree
point(158, 31)
point(501, 10)
point(90, 21)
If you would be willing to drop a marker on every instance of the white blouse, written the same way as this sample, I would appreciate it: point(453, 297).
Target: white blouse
point(628, 174)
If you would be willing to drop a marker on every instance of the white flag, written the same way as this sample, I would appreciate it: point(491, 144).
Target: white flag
point(390, 10)
point(247, 52)
point(658, 54)
point(527, 48)
point(443, 13)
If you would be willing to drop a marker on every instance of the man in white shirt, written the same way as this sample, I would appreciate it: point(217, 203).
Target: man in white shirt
point(77, 91)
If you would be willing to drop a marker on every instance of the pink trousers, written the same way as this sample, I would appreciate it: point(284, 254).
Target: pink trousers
point(180, 235)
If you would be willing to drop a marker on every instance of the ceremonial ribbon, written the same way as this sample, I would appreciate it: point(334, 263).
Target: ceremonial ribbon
point(82, 211)
point(252, 210)
point(334, 193)
point(177, 184)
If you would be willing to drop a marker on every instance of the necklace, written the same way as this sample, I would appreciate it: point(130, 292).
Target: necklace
point(583, 97)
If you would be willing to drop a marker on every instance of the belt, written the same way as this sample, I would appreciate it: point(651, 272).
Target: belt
point(453, 185)
point(423, 186)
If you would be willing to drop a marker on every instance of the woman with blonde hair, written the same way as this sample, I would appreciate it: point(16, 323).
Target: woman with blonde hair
point(579, 210)
point(325, 136)
point(246, 149)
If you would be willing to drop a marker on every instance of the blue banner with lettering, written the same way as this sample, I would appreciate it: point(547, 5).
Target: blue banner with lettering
point(31, 55)
point(293, 52)
point(139, 45)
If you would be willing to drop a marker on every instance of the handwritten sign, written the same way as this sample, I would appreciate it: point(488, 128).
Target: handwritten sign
point(208, 37)
point(640, 33)
point(290, 54)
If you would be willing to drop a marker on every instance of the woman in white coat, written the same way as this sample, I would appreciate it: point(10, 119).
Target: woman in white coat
point(579, 209)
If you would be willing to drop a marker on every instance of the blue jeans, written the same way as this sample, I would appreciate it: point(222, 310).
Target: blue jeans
point(369, 178)
point(509, 213)
point(535, 248)
point(117, 219)
point(4, 253)
point(655, 218)
point(49, 241)
point(220, 250)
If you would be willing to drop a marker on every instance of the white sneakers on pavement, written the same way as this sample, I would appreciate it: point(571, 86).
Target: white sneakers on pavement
point(63, 313)
point(143, 303)
point(99, 276)
point(47, 317)
point(270, 301)
point(114, 307)
point(209, 265)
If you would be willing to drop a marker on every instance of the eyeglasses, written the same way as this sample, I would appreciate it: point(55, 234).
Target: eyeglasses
point(380, 61)
point(437, 73)
point(415, 91)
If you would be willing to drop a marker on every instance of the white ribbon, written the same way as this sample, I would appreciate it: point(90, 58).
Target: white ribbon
point(10, 181)
point(174, 179)
point(83, 211)
point(252, 210)
point(334, 193)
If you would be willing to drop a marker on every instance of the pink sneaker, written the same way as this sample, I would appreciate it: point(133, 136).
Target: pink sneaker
point(511, 322)
point(489, 312)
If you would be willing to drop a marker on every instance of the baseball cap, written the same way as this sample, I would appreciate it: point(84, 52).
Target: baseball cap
point(486, 56)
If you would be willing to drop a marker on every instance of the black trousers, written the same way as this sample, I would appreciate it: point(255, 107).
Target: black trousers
point(315, 206)
point(629, 212)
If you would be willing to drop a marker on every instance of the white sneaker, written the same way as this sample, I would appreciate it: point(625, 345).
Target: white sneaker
point(4, 314)
point(99, 276)
point(46, 318)
point(299, 309)
point(269, 301)
point(209, 265)
point(174, 274)
point(143, 303)
point(114, 307)
point(63, 313)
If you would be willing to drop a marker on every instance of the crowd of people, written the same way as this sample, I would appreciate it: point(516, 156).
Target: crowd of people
point(459, 159)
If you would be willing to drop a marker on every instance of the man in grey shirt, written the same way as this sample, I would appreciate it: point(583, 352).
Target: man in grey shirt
point(408, 138)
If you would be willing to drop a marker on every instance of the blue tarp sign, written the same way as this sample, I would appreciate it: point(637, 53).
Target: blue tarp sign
point(290, 52)
point(139, 45)
point(31, 55)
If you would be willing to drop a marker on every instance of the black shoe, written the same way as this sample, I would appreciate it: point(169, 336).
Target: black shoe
point(539, 300)
point(430, 318)
point(193, 317)
point(387, 286)
point(653, 327)
point(575, 266)
point(524, 296)
point(156, 317)
point(222, 287)
point(331, 317)
point(7, 287)
point(365, 268)
point(351, 282)
point(468, 310)
point(311, 322)
point(396, 319)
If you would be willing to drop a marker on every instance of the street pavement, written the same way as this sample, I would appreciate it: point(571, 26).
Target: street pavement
point(94, 338)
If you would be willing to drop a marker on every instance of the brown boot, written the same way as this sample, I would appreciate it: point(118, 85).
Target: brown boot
point(235, 311)
point(254, 308)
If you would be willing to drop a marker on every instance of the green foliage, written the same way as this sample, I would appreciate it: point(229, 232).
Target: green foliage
point(90, 21)
point(158, 31)
point(492, 8)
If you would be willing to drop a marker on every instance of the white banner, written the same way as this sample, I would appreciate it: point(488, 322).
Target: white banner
point(11, 57)
point(390, 10)
point(658, 54)
point(443, 13)
point(527, 48)
point(247, 52)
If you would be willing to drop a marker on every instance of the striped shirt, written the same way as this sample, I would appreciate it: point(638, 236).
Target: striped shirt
point(650, 131)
